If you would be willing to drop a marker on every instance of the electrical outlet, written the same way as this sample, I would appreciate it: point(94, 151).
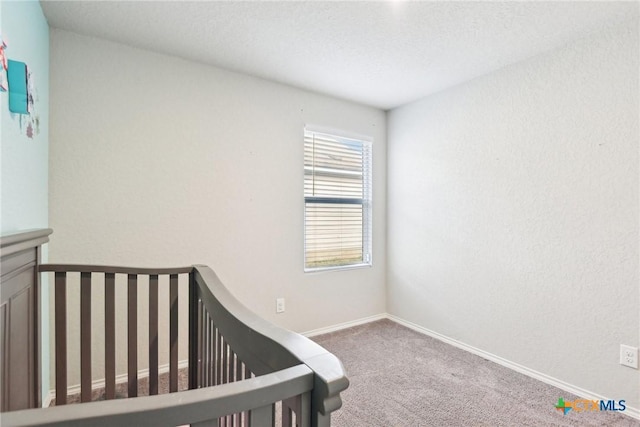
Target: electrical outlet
point(629, 356)
point(279, 305)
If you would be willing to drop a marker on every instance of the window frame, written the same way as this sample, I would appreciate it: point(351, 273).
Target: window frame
point(366, 201)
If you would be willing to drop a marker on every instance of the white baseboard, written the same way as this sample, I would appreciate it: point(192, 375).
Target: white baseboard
point(632, 412)
point(562, 385)
point(344, 325)
point(122, 378)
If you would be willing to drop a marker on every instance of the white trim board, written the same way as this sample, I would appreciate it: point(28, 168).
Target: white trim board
point(345, 325)
point(562, 385)
point(122, 378)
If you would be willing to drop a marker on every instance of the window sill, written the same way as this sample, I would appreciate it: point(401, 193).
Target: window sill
point(337, 268)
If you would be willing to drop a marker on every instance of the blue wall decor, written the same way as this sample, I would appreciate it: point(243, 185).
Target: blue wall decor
point(18, 94)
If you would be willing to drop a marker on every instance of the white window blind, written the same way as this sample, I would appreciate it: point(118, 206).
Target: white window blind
point(337, 198)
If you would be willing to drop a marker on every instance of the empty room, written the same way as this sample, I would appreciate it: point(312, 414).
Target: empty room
point(310, 213)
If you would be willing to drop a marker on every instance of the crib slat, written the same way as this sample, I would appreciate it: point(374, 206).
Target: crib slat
point(110, 335)
point(132, 334)
point(173, 333)
point(287, 414)
point(200, 335)
point(61, 337)
point(205, 353)
point(203, 337)
point(153, 334)
point(296, 411)
point(220, 360)
point(234, 366)
point(204, 346)
point(216, 352)
point(212, 347)
point(261, 417)
point(208, 355)
point(230, 376)
point(225, 363)
point(228, 360)
point(303, 417)
point(234, 377)
point(193, 331)
point(85, 337)
point(218, 357)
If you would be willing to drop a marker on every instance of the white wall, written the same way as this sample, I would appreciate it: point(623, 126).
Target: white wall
point(24, 174)
point(513, 212)
point(157, 161)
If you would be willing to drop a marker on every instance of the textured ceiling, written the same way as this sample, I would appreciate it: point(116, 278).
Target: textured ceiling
point(382, 54)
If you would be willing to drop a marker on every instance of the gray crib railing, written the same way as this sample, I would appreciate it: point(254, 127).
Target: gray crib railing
point(242, 370)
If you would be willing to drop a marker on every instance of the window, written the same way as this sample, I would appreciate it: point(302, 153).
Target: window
point(337, 201)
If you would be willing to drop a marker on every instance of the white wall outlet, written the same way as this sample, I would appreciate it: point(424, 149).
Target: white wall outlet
point(629, 356)
point(279, 305)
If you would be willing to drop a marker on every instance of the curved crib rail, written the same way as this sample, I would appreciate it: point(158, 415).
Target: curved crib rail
point(239, 364)
point(196, 407)
point(254, 338)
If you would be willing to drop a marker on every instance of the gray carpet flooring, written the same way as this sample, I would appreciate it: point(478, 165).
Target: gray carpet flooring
point(400, 377)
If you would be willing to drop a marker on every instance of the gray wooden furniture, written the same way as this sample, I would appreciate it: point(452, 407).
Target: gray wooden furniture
point(19, 319)
point(240, 366)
